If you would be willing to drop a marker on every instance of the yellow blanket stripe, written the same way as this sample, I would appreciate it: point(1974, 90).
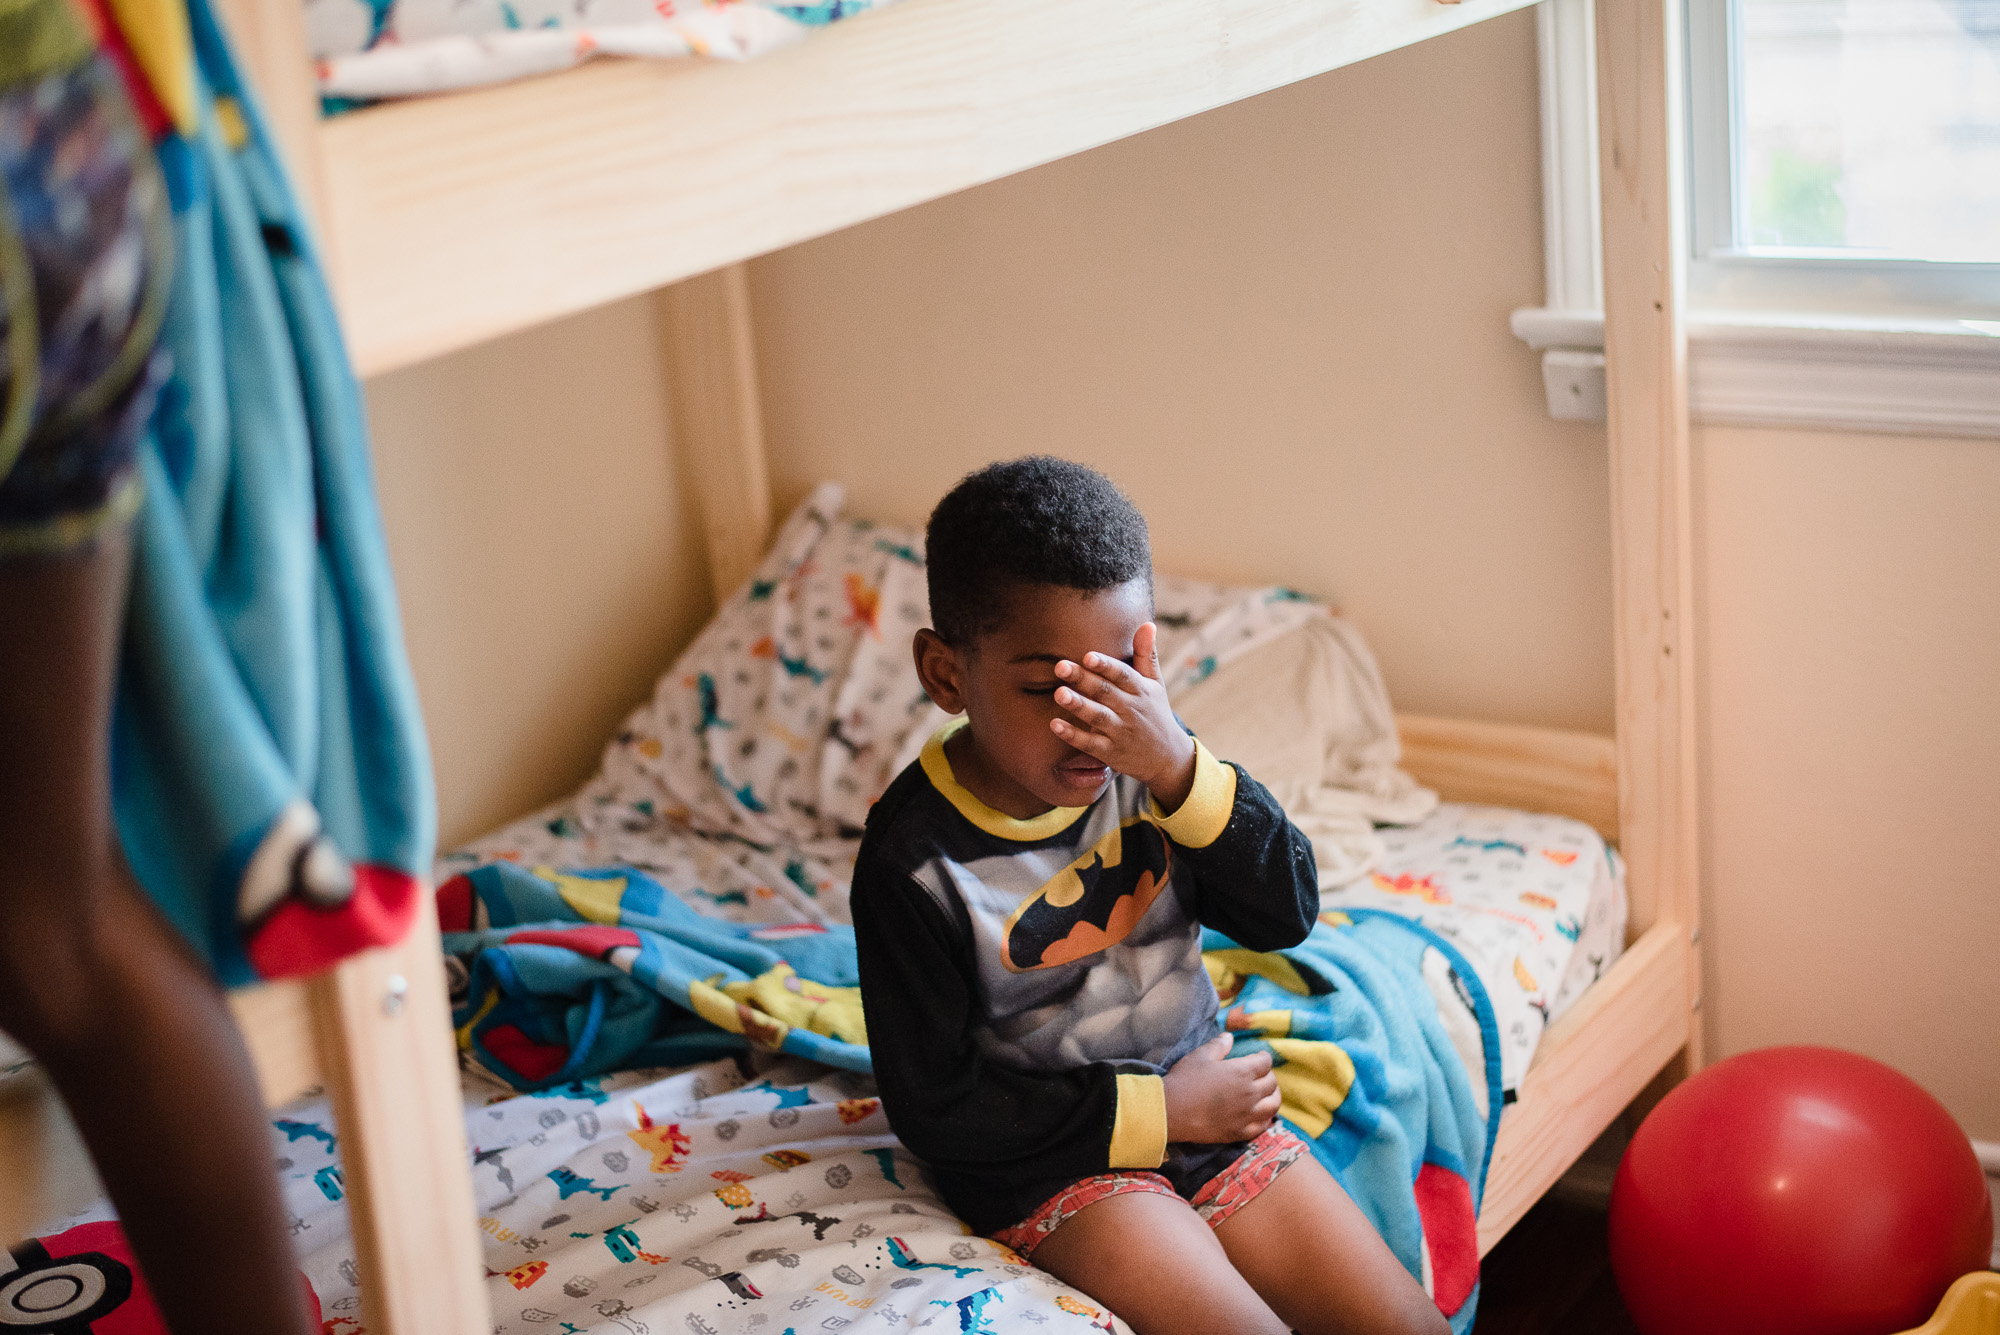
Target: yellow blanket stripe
point(597, 900)
point(157, 31)
point(715, 1006)
point(1229, 968)
point(485, 1009)
point(1312, 1083)
point(804, 1004)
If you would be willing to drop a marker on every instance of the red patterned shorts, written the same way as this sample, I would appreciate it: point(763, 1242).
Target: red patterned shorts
point(1220, 1197)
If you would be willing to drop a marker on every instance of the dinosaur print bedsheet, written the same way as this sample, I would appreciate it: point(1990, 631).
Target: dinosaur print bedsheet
point(712, 1200)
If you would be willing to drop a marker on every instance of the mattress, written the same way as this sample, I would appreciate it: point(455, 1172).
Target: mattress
point(1535, 903)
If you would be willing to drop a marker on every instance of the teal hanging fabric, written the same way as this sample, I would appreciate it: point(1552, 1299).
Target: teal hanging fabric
point(270, 774)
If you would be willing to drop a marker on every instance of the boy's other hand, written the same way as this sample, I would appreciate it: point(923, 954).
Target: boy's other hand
point(1122, 718)
point(1216, 1099)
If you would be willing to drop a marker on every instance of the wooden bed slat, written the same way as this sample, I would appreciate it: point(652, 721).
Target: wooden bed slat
point(1592, 1062)
point(711, 373)
point(458, 218)
point(1572, 774)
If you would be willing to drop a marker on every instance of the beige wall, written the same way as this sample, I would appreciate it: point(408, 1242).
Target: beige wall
point(1850, 612)
point(548, 558)
point(1283, 327)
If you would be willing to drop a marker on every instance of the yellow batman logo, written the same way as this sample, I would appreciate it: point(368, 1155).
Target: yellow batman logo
point(1092, 904)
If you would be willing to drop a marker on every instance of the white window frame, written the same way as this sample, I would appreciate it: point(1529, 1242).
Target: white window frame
point(1773, 338)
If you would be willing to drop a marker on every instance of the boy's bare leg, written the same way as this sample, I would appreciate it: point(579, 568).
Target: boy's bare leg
point(1307, 1249)
point(131, 1028)
point(1153, 1261)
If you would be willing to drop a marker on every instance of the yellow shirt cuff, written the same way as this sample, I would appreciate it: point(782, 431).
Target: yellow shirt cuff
point(1203, 817)
point(1139, 1131)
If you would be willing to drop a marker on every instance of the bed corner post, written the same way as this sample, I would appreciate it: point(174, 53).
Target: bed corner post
point(711, 369)
point(1640, 90)
point(380, 1021)
point(384, 1024)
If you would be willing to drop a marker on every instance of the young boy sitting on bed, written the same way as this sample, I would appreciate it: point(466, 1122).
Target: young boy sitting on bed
point(1028, 903)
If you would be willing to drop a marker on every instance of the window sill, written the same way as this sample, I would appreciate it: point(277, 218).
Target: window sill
point(1901, 375)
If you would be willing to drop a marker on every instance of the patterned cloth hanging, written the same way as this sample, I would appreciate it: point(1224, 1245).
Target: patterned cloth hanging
point(269, 769)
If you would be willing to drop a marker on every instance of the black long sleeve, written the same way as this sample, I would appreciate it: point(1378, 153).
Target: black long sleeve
point(1257, 881)
point(1028, 983)
point(945, 1099)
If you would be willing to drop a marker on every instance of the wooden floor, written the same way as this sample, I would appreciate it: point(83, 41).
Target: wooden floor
point(1551, 1275)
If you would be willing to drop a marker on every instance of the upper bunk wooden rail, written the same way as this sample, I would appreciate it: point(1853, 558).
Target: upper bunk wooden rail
point(454, 219)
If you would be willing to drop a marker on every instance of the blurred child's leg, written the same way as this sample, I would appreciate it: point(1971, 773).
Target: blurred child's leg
point(93, 981)
point(1306, 1247)
point(1150, 1259)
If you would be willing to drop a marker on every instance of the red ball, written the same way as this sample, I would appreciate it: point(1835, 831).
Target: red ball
point(1796, 1191)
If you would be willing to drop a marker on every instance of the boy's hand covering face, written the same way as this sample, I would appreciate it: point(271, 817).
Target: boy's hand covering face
point(1122, 718)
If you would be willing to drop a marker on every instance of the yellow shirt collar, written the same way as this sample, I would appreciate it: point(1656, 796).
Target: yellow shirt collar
point(937, 768)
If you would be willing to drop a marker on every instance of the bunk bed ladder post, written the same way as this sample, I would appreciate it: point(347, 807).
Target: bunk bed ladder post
point(385, 1035)
point(380, 1021)
point(711, 373)
point(1640, 123)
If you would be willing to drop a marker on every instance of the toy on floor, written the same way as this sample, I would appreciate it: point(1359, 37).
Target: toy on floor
point(84, 1282)
point(1970, 1307)
point(1796, 1190)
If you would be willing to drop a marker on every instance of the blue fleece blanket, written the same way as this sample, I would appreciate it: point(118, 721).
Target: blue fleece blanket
point(269, 769)
point(573, 974)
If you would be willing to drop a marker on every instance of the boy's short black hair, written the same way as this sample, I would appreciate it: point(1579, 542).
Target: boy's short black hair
point(1037, 520)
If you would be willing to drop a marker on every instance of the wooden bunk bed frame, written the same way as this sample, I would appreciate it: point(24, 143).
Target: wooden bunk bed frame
point(621, 178)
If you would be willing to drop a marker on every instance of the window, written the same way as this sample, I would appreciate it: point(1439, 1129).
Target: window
point(1844, 214)
point(1845, 156)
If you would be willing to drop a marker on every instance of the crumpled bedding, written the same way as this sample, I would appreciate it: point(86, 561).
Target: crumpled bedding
point(370, 49)
point(581, 973)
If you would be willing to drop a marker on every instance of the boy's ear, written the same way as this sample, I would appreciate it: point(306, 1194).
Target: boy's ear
point(940, 669)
